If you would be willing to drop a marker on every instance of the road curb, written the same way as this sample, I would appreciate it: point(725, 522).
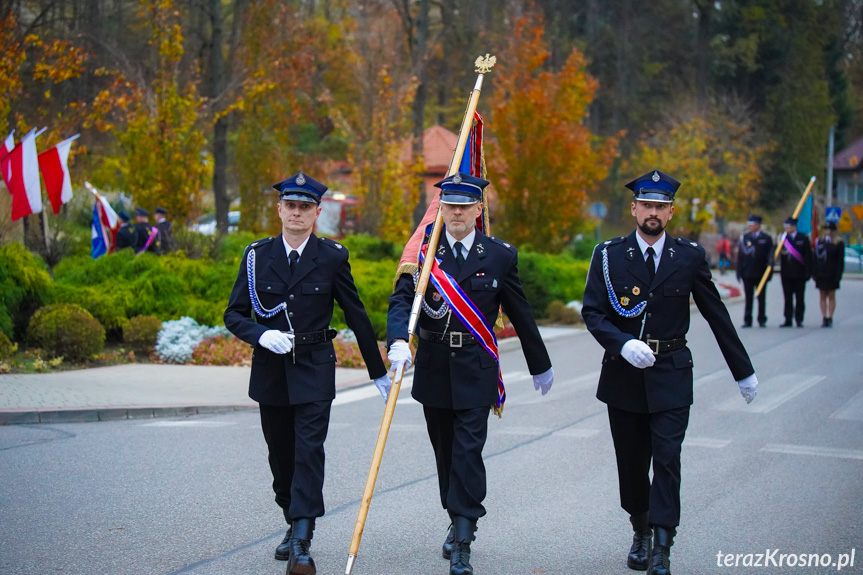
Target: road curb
point(89, 415)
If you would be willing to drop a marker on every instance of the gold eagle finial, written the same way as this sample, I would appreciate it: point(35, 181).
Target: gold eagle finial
point(484, 64)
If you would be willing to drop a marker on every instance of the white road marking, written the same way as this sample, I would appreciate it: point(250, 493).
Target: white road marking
point(852, 410)
point(696, 441)
point(812, 450)
point(773, 393)
point(189, 423)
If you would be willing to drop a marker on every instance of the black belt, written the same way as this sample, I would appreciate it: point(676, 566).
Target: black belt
point(451, 338)
point(314, 337)
point(661, 345)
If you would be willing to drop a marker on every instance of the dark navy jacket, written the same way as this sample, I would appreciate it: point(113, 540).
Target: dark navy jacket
point(466, 377)
point(682, 271)
point(323, 275)
point(754, 254)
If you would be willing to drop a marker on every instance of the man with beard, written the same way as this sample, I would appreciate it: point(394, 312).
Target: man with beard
point(636, 305)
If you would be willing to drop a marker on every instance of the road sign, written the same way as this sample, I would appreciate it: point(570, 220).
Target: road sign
point(845, 222)
point(598, 210)
point(832, 214)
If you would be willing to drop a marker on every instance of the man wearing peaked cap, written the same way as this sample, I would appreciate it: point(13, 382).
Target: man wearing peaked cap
point(754, 256)
point(636, 305)
point(456, 377)
point(126, 236)
point(282, 305)
point(146, 237)
point(166, 231)
point(796, 261)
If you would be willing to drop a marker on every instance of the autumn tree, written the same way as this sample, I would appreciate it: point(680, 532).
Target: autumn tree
point(716, 155)
point(165, 162)
point(543, 160)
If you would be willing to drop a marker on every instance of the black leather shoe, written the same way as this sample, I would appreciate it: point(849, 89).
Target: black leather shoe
point(300, 561)
point(283, 551)
point(459, 562)
point(786, 324)
point(660, 555)
point(447, 544)
point(639, 553)
point(747, 324)
point(762, 324)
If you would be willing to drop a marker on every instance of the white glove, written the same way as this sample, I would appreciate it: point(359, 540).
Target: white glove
point(748, 388)
point(637, 353)
point(544, 380)
point(399, 355)
point(383, 384)
point(277, 341)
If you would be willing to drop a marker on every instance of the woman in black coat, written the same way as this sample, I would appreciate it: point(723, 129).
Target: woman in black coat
point(829, 265)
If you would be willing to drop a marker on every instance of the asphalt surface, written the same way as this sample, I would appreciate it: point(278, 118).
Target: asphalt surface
point(191, 493)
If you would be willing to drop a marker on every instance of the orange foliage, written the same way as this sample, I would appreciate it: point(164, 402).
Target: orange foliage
point(542, 159)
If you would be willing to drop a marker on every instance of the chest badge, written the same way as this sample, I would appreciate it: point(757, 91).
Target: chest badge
point(436, 296)
point(748, 243)
point(635, 291)
point(624, 300)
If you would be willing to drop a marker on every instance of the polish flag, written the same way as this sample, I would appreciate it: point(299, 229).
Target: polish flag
point(23, 180)
point(5, 149)
point(55, 172)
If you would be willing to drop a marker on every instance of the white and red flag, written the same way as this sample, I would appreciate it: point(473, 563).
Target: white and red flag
point(55, 172)
point(20, 169)
point(5, 148)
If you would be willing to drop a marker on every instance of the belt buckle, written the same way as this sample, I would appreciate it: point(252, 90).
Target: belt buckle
point(654, 346)
point(452, 339)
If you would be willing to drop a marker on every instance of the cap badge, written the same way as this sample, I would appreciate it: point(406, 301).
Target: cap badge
point(456, 179)
point(655, 176)
point(636, 290)
point(301, 180)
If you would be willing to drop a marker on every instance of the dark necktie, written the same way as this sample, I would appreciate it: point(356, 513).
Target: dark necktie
point(651, 264)
point(292, 260)
point(459, 258)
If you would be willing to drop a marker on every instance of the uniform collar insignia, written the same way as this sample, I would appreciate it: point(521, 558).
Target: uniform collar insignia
point(671, 252)
point(441, 249)
point(480, 249)
point(630, 252)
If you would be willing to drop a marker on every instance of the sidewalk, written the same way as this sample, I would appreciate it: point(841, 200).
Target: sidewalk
point(142, 391)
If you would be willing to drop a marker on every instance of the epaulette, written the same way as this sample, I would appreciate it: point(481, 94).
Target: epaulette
point(263, 242)
point(333, 244)
point(503, 243)
point(612, 241)
point(687, 242)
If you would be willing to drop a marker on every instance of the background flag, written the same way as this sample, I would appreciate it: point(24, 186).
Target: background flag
point(22, 167)
point(5, 148)
point(55, 172)
point(103, 228)
point(804, 218)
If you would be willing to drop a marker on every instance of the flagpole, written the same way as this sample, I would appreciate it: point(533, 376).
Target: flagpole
point(483, 66)
point(796, 213)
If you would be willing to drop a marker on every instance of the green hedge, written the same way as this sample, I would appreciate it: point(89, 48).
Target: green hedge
point(120, 286)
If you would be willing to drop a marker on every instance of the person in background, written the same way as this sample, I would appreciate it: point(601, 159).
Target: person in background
point(126, 235)
point(829, 265)
point(754, 256)
point(723, 249)
point(146, 236)
point(166, 234)
point(796, 261)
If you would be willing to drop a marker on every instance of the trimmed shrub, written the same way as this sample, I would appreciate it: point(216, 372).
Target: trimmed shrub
point(223, 350)
point(374, 281)
point(7, 348)
point(178, 339)
point(551, 277)
point(140, 333)
point(24, 287)
point(366, 247)
point(66, 330)
point(559, 313)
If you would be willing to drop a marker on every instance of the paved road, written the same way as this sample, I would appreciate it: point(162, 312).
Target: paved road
point(191, 494)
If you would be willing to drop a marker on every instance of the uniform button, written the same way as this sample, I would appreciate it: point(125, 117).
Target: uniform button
point(290, 314)
point(650, 315)
point(647, 336)
point(268, 287)
point(316, 289)
point(291, 296)
point(452, 354)
point(651, 294)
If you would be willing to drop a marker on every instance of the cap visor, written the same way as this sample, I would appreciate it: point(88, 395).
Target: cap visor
point(652, 196)
point(298, 196)
point(463, 199)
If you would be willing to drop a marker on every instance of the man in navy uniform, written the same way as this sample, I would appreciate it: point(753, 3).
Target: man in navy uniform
point(146, 236)
point(636, 305)
point(126, 235)
point(282, 304)
point(796, 261)
point(456, 378)
point(166, 232)
point(754, 256)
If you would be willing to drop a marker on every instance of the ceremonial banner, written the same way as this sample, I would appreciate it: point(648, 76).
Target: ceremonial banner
point(55, 172)
point(5, 148)
point(103, 228)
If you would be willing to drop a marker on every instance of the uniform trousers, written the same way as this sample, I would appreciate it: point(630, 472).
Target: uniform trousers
point(749, 286)
point(295, 436)
point(458, 437)
point(794, 290)
point(638, 438)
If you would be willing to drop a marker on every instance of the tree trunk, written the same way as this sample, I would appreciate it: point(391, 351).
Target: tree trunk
point(418, 54)
point(220, 130)
point(705, 12)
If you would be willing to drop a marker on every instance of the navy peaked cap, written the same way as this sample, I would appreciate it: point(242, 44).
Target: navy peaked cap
point(302, 188)
point(789, 221)
point(654, 186)
point(161, 210)
point(753, 219)
point(141, 212)
point(123, 215)
point(461, 189)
